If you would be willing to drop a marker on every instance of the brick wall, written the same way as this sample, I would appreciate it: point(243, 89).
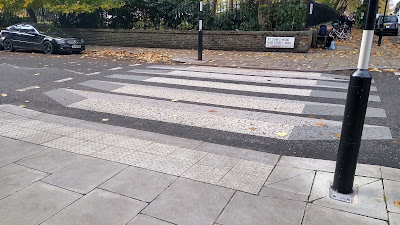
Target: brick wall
point(215, 40)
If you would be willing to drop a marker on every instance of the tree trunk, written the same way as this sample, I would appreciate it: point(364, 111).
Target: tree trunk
point(32, 15)
point(261, 4)
point(214, 7)
point(230, 5)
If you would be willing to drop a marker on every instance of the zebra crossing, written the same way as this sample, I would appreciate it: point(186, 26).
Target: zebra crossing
point(281, 105)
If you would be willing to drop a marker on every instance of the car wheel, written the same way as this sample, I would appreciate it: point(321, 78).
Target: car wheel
point(8, 45)
point(48, 47)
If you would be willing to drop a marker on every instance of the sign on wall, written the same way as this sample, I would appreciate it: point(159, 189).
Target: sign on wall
point(279, 42)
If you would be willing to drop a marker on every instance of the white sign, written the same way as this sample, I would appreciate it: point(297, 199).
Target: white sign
point(279, 42)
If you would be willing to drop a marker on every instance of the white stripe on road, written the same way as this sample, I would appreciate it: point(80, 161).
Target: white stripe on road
point(74, 72)
point(239, 101)
point(28, 88)
point(241, 87)
point(94, 73)
point(397, 73)
point(135, 65)
point(63, 80)
point(265, 73)
point(231, 120)
point(245, 78)
point(116, 68)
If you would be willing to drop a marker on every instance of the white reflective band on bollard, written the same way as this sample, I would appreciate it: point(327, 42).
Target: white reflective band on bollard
point(365, 50)
point(201, 6)
point(200, 25)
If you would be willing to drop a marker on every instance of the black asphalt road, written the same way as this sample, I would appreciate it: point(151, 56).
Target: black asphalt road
point(17, 72)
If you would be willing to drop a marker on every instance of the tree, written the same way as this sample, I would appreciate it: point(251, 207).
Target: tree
point(397, 7)
point(59, 6)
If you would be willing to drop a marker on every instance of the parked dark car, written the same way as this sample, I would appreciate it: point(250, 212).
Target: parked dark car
point(42, 37)
point(390, 25)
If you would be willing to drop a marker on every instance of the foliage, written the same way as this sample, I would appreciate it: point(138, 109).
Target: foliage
point(63, 6)
point(397, 7)
point(288, 15)
point(168, 14)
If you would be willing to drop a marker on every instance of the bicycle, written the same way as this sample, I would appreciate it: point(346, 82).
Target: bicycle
point(341, 33)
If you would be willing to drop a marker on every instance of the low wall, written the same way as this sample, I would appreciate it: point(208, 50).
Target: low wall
point(213, 40)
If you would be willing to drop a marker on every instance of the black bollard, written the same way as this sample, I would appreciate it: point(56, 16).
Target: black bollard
point(354, 115)
point(200, 38)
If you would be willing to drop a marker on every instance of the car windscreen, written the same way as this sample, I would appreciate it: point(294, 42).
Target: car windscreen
point(48, 29)
point(388, 19)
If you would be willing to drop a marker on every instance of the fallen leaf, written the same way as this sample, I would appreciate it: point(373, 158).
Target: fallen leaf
point(282, 134)
point(105, 119)
point(174, 100)
point(4, 95)
point(22, 106)
point(397, 203)
point(212, 111)
point(337, 135)
point(253, 128)
point(36, 74)
point(311, 116)
point(321, 124)
point(26, 101)
point(174, 115)
point(394, 142)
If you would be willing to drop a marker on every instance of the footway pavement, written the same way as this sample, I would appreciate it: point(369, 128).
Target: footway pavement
point(59, 170)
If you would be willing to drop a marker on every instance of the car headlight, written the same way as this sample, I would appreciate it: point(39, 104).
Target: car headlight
point(60, 41)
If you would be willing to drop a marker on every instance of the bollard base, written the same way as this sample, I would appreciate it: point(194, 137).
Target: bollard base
point(348, 198)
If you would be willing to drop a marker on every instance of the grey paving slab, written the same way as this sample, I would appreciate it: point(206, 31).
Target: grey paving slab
point(390, 173)
point(169, 165)
point(190, 202)
point(83, 176)
point(142, 219)
point(394, 219)
point(98, 207)
point(293, 180)
point(207, 174)
point(255, 210)
point(368, 202)
point(64, 130)
point(241, 153)
point(58, 119)
point(105, 128)
point(86, 147)
point(140, 159)
point(14, 177)
point(317, 215)
point(243, 182)
point(50, 160)
point(276, 193)
point(40, 138)
point(20, 111)
point(18, 132)
point(159, 149)
point(307, 163)
point(190, 155)
point(392, 194)
point(138, 183)
point(219, 161)
point(368, 170)
point(12, 151)
point(34, 204)
point(63, 143)
point(40, 125)
point(167, 139)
